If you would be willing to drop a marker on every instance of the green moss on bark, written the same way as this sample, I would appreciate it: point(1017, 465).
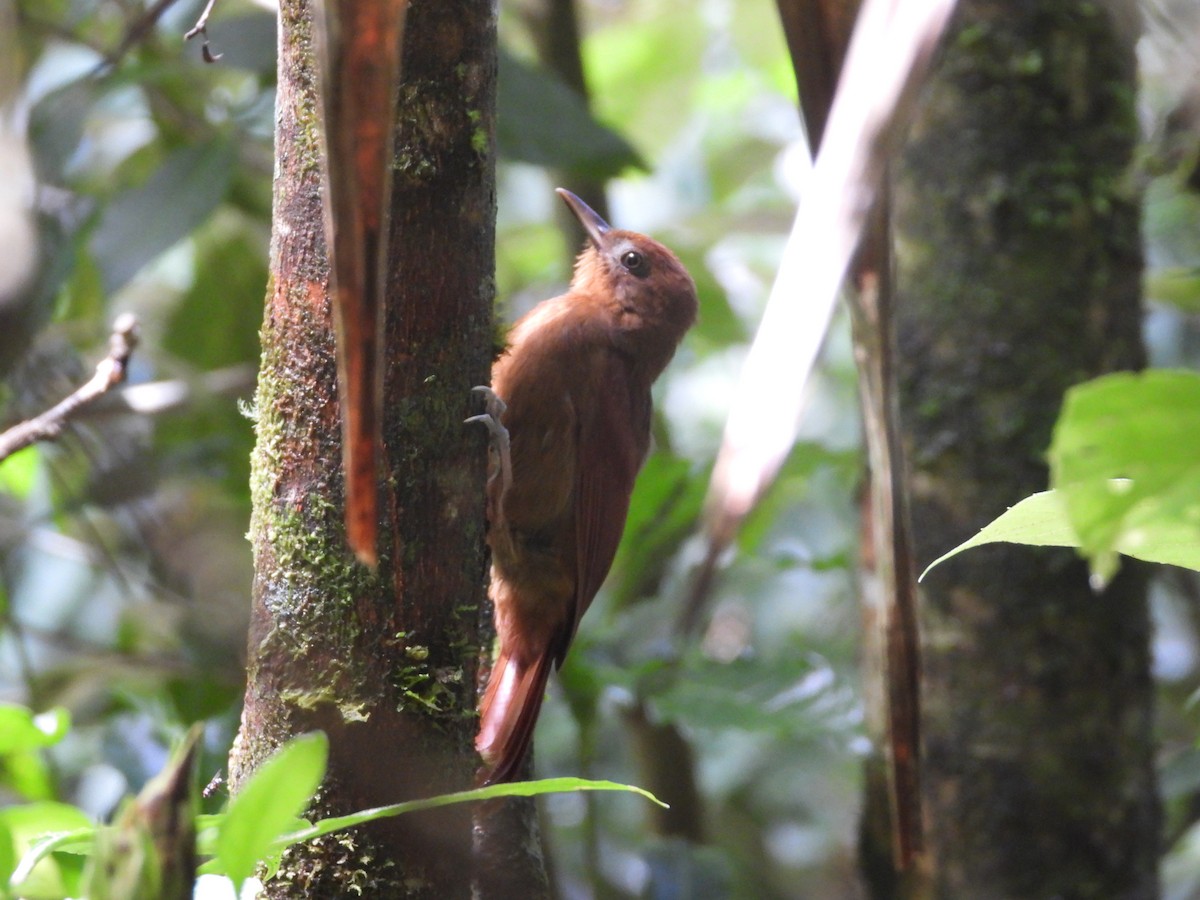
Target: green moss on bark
point(383, 662)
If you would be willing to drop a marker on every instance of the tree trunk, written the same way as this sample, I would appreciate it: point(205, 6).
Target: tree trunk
point(384, 663)
point(1019, 270)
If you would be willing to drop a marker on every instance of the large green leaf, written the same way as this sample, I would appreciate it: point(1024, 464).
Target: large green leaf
point(1126, 459)
point(542, 121)
point(30, 825)
point(143, 222)
point(217, 323)
point(8, 859)
point(663, 511)
point(1039, 521)
point(23, 735)
point(267, 805)
point(21, 729)
point(56, 126)
point(1126, 467)
point(795, 699)
point(643, 70)
point(18, 473)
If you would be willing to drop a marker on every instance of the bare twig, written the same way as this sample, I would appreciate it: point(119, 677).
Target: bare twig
point(158, 398)
point(109, 373)
point(201, 27)
point(135, 34)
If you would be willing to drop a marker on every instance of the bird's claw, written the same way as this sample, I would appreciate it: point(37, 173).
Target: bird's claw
point(494, 409)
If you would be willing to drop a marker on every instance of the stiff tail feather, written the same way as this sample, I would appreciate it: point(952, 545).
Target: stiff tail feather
point(508, 713)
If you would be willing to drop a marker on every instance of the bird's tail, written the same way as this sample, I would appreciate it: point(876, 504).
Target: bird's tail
point(508, 714)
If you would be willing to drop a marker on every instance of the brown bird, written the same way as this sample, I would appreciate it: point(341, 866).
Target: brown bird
point(570, 409)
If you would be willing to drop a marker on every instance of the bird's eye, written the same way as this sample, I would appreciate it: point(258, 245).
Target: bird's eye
point(635, 263)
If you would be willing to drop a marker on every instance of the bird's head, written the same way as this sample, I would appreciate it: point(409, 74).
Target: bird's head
point(649, 294)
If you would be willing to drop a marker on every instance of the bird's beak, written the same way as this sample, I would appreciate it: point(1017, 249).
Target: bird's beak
point(595, 226)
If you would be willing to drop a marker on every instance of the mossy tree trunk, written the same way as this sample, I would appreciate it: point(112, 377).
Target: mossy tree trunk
point(1017, 227)
point(385, 663)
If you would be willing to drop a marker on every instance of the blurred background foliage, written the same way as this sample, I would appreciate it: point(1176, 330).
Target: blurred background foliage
point(138, 178)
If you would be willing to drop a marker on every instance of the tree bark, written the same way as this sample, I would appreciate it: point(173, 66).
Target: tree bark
point(818, 35)
point(385, 663)
point(1019, 272)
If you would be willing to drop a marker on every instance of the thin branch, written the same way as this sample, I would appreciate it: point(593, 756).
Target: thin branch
point(201, 27)
point(109, 373)
point(160, 398)
point(136, 33)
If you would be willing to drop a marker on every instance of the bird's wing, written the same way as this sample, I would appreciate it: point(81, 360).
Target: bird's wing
point(613, 434)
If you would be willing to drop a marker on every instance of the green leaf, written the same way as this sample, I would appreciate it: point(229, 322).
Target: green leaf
point(541, 120)
point(21, 729)
point(56, 126)
point(663, 511)
point(1177, 286)
point(717, 324)
point(36, 829)
point(217, 323)
point(8, 859)
point(1153, 526)
point(28, 774)
point(23, 736)
point(142, 223)
point(1038, 521)
point(267, 805)
point(18, 474)
point(623, 61)
point(1125, 458)
point(77, 842)
point(81, 295)
point(794, 698)
point(208, 825)
point(515, 789)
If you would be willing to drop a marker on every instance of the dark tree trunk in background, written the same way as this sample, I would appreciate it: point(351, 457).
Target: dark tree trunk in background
point(1019, 266)
point(384, 663)
point(554, 27)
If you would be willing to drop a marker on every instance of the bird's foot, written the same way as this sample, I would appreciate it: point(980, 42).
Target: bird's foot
point(494, 408)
